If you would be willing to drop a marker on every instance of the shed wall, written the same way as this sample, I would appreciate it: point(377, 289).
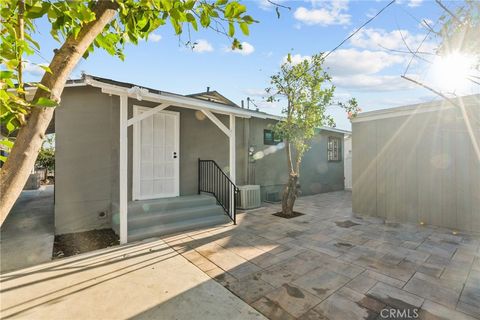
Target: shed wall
point(419, 168)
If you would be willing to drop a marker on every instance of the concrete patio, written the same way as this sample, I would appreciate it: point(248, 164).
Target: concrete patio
point(144, 280)
point(329, 265)
point(27, 235)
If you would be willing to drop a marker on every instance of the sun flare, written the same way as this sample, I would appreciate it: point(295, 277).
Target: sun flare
point(452, 71)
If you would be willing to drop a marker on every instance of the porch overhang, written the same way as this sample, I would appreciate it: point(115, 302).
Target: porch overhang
point(164, 100)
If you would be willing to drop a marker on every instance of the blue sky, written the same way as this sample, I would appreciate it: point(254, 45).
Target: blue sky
point(361, 68)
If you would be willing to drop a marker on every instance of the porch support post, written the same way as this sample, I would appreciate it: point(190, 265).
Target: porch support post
point(232, 149)
point(123, 178)
point(233, 158)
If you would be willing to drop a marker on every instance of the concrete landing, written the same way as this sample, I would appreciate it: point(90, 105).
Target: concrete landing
point(144, 280)
point(27, 235)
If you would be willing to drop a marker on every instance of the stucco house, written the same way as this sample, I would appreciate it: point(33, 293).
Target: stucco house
point(419, 164)
point(142, 161)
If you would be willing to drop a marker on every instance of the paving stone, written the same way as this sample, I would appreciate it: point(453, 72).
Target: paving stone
point(443, 249)
point(271, 309)
point(471, 295)
point(250, 289)
point(337, 307)
point(312, 315)
point(244, 270)
point(277, 275)
point(321, 282)
point(293, 299)
point(433, 311)
point(395, 297)
point(361, 283)
point(472, 310)
point(443, 292)
point(430, 269)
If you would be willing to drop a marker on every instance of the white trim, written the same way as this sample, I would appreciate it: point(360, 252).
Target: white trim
point(179, 101)
point(232, 159)
point(123, 172)
point(147, 114)
point(137, 152)
point(232, 149)
point(219, 124)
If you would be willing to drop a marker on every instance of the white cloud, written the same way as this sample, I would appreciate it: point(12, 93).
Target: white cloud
point(154, 37)
point(247, 49)
point(267, 5)
point(371, 38)
point(33, 69)
point(330, 13)
point(202, 45)
point(414, 3)
point(295, 58)
point(254, 92)
point(353, 61)
point(372, 83)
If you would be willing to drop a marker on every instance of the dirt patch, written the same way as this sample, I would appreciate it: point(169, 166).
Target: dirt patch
point(293, 291)
point(343, 244)
point(70, 244)
point(294, 215)
point(346, 224)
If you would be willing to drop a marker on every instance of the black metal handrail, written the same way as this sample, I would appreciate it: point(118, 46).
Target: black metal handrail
point(212, 179)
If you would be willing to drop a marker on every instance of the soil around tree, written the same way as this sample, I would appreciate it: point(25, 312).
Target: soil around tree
point(294, 215)
point(71, 244)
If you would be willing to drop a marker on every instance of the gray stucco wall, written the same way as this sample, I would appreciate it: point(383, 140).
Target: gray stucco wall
point(419, 168)
point(84, 159)
point(87, 163)
point(268, 167)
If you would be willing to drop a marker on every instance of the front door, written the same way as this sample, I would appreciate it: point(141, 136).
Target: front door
point(156, 155)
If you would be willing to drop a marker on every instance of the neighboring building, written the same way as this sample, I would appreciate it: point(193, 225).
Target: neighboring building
point(419, 164)
point(120, 148)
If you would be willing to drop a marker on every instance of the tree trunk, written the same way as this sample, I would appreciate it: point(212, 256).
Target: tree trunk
point(289, 194)
point(15, 172)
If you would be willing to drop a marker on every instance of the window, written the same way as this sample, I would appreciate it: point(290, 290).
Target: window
point(334, 152)
point(269, 138)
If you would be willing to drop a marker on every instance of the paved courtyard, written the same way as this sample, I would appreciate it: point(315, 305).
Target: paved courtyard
point(328, 264)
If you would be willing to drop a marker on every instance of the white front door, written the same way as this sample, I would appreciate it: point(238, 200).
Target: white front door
point(156, 155)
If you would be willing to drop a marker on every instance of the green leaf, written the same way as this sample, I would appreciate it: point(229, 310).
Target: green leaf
point(45, 102)
point(41, 86)
point(7, 143)
point(221, 2)
point(45, 68)
point(5, 74)
point(244, 28)
point(231, 29)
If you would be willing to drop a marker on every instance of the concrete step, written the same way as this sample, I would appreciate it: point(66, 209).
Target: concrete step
point(167, 204)
point(151, 218)
point(164, 229)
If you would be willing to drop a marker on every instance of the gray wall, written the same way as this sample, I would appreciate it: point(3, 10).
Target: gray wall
point(418, 168)
point(269, 167)
point(87, 163)
point(84, 159)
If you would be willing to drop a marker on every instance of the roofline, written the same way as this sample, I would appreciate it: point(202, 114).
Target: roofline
point(407, 110)
point(176, 100)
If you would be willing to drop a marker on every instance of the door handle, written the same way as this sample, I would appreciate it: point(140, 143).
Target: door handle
point(174, 155)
